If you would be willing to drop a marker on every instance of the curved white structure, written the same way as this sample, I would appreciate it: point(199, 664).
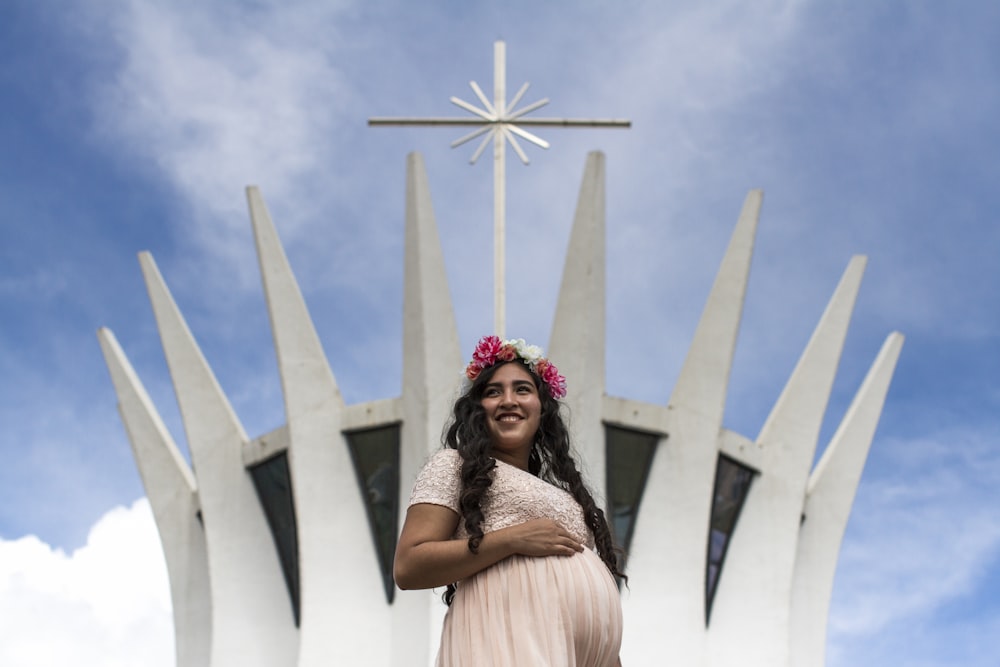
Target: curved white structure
point(732, 542)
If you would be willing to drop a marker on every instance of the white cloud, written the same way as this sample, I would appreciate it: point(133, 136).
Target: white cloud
point(106, 604)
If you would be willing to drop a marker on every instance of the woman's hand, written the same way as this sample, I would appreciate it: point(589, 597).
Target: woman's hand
point(541, 537)
point(427, 557)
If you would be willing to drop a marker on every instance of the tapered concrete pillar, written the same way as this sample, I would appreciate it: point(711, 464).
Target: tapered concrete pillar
point(252, 620)
point(669, 547)
point(328, 515)
point(829, 496)
point(577, 344)
point(173, 495)
point(432, 364)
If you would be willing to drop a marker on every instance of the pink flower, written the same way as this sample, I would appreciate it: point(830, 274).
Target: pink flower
point(550, 375)
point(473, 370)
point(560, 391)
point(507, 353)
point(486, 351)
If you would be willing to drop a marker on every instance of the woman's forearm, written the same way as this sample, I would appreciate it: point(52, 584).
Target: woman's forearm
point(439, 563)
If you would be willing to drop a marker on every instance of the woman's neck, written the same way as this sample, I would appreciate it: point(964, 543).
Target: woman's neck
point(516, 460)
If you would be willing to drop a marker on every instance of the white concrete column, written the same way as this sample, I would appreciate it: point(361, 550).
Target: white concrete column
point(577, 343)
point(432, 366)
point(334, 538)
point(757, 575)
point(173, 496)
point(252, 620)
point(830, 495)
point(670, 541)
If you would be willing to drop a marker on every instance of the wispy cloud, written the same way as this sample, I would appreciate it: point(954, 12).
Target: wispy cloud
point(213, 99)
point(923, 535)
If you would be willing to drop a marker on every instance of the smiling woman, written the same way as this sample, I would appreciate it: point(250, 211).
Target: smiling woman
point(513, 411)
point(502, 518)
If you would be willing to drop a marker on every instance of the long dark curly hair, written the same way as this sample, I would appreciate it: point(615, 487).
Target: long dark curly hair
point(550, 459)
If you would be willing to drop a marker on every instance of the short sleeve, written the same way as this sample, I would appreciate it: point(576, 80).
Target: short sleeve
point(440, 482)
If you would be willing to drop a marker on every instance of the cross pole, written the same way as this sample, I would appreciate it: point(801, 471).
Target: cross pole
point(500, 122)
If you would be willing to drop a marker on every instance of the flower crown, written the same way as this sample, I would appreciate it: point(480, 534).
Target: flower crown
point(491, 350)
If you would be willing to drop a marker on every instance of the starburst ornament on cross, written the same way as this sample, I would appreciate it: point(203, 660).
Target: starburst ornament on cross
point(497, 119)
point(497, 122)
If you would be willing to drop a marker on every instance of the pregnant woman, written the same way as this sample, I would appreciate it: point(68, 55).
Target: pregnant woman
point(502, 518)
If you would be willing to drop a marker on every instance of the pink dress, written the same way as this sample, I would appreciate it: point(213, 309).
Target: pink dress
point(555, 611)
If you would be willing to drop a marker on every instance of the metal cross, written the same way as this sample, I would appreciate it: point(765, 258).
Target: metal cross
point(497, 121)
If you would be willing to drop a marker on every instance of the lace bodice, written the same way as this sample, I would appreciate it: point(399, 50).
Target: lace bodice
point(515, 496)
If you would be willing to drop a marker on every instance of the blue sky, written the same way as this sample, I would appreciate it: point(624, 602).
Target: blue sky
point(872, 127)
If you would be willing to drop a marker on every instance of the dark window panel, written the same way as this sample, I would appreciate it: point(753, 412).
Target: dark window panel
point(375, 454)
point(274, 489)
point(629, 456)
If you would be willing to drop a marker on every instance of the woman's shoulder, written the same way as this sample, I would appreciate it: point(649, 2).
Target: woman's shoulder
point(444, 462)
point(439, 481)
point(446, 458)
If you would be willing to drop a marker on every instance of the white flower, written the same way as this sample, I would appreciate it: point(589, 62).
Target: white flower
point(532, 353)
point(529, 353)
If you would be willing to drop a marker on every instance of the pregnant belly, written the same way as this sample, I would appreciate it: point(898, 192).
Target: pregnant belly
point(558, 610)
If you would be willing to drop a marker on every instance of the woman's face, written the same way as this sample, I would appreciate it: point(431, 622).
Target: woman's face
point(513, 412)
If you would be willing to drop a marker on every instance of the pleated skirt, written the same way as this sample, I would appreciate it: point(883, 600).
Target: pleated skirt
point(557, 611)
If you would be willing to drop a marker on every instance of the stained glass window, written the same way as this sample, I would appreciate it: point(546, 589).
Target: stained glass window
point(732, 484)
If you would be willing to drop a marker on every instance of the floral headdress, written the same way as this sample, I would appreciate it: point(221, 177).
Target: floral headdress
point(491, 350)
